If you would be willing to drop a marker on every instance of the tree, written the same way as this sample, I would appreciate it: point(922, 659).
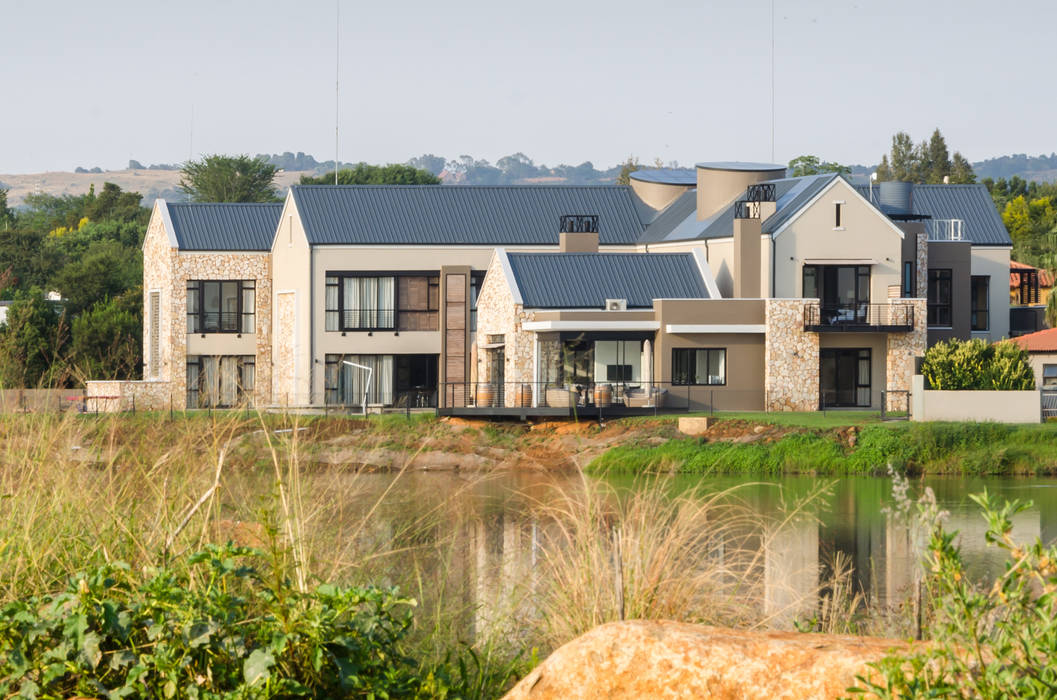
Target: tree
point(936, 161)
point(884, 170)
point(218, 178)
point(107, 338)
point(364, 174)
point(813, 165)
point(32, 343)
point(961, 170)
point(429, 163)
point(957, 365)
point(906, 159)
point(928, 162)
point(1051, 310)
point(626, 169)
point(106, 269)
point(7, 214)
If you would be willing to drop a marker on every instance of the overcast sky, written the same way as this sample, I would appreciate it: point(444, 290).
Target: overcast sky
point(97, 83)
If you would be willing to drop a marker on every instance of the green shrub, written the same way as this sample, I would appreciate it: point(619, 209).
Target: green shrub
point(957, 365)
point(993, 640)
point(214, 629)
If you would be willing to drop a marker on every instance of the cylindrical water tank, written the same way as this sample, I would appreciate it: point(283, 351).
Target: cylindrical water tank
point(897, 197)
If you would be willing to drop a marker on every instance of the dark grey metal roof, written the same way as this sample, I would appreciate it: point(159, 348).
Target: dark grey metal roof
point(215, 226)
point(793, 193)
point(970, 203)
point(666, 176)
point(586, 280)
point(739, 165)
point(463, 214)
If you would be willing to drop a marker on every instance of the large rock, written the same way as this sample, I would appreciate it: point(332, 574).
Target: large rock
point(641, 659)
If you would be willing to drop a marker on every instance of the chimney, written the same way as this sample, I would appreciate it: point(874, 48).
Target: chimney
point(578, 233)
point(747, 233)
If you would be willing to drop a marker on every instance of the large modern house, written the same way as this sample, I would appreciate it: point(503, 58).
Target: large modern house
point(724, 286)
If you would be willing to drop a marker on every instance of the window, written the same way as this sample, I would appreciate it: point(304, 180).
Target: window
point(221, 306)
point(155, 334)
point(476, 279)
point(908, 278)
point(394, 302)
point(838, 211)
point(1049, 376)
point(215, 381)
point(939, 298)
point(706, 366)
point(345, 385)
point(979, 320)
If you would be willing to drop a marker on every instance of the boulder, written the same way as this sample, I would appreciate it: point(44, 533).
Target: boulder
point(641, 659)
point(695, 426)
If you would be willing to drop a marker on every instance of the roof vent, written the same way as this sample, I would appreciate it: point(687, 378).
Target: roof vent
point(616, 304)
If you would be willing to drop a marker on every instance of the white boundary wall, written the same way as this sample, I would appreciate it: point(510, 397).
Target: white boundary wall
point(977, 406)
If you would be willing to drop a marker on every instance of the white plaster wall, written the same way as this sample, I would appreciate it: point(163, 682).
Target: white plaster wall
point(866, 234)
point(994, 263)
point(291, 270)
point(975, 406)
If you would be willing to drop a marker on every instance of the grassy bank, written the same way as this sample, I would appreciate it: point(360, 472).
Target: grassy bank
point(915, 448)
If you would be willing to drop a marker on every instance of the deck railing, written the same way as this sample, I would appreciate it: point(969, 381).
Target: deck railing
point(822, 318)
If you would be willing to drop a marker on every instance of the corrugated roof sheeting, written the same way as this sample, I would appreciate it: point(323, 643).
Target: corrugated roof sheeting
point(970, 203)
point(586, 280)
point(461, 215)
point(217, 226)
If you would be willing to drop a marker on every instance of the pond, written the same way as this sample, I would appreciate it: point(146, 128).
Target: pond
point(496, 531)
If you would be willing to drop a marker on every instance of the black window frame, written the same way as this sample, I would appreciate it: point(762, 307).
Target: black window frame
point(838, 211)
point(682, 366)
point(195, 391)
point(908, 279)
point(975, 312)
point(390, 317)
point(244, 320)
point(936, 305)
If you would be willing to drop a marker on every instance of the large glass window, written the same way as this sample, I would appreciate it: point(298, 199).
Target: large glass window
point(842, 290)
point(1049, 376)
point(939, 299)
point(219, 380)
point(221, 306)
point(980, 318)
point(706, 366)
point(908, 278)
point(346, 384)
point(397, 302)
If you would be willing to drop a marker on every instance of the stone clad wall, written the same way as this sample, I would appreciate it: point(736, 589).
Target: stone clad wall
point(112, 396)
point(285, 314)
point(922, 266)
point(791, 363)
point(158, 258)
point(497, 314)
point(220, 266)
point(902, 349)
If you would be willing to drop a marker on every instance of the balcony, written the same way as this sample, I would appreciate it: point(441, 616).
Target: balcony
point(858, 318)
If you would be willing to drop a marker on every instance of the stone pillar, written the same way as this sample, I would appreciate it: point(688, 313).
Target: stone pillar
point(922, 266)
point(791, 379)
point(902, 348)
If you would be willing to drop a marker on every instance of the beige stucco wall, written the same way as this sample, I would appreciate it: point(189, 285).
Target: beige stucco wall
point(292, 340)
point(656, 194)
point(1037, 360)
point(994, 263)
point(975, 406)
point(865, 234)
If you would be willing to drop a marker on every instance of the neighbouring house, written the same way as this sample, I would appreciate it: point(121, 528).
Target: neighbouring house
point(723, 286)
point(1041, 347)
point(1029, 289)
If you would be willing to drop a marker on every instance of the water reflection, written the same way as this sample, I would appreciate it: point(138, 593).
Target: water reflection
point(494, 533)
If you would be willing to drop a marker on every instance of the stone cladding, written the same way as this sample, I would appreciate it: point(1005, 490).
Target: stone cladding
point(167, 270)
point(112, 396)
point(902, 349)
point(791, 363)
point(497, 314)
point(285, 316)
point(922, 262)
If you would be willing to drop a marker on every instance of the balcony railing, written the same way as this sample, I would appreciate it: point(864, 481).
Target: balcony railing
point(827, 318)
point(945, 229)
point(369, 319)
point(219, 322)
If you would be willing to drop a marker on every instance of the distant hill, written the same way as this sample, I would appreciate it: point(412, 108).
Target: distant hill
point(1041, 168)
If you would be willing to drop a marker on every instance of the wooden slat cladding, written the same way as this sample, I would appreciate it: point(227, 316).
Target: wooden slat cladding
point(455, 333)
point(418, 299)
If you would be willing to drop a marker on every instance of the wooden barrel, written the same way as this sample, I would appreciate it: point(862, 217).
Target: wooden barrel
point(603, 394)
point(485, 395)
point(524, 395)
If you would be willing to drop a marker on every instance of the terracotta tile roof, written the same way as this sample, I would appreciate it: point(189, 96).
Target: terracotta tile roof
point(1039, 341)
point(1045, 276)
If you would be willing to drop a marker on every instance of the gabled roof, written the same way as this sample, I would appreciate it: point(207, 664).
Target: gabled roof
point(678, 222)
point(586, 280)
point(463, 214)
point(216, 226)
point(970, 203)
point(1039, 341)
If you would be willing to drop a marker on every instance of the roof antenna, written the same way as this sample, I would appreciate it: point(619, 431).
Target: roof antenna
point(337, 68)
point(772, 81)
